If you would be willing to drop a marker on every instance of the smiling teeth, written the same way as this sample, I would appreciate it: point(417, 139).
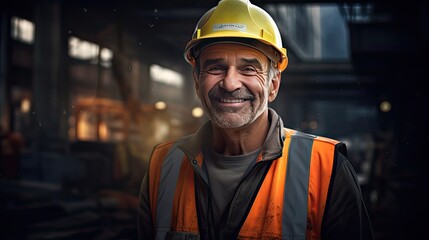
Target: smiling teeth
point(232, 100)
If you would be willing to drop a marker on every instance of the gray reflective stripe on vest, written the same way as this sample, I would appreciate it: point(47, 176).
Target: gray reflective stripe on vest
point(169, 174)
point(294, 222)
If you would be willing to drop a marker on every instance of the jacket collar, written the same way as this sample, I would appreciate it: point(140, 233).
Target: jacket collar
point(271, 149)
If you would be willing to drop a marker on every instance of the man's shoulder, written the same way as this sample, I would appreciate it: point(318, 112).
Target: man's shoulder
point(170, 143)
point(298, 134)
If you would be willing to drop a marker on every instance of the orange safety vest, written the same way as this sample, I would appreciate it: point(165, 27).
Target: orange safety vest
point(289, 204)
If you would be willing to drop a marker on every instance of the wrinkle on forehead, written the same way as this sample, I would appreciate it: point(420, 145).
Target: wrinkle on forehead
point(233, 54)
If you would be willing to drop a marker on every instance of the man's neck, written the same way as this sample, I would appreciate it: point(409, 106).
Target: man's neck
point(242, 140)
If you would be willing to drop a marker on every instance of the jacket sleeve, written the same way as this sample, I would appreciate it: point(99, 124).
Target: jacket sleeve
point(145, 224)
point(345, 216)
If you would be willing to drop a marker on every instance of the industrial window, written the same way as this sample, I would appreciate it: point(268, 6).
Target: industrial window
point(22, 30)
point(315, 32)
point(85, 50)
point(165, 75)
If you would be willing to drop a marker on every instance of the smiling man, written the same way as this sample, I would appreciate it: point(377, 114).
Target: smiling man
point(243, 175)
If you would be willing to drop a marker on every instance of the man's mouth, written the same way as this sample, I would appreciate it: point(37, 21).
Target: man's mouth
point(224, 100)
point(234, 99)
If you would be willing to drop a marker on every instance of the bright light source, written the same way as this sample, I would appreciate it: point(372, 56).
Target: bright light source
point(103, 131)
point(385, 106)
point(160, 105)
point(197, 112)
point(25, 105)
point(86, 127)
point(106, 54)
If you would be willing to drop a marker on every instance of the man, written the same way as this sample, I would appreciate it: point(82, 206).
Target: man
point(243, 175)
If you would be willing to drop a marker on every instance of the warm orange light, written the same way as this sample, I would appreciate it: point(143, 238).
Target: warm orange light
point(25, 105)
point(86, 130)
point(103, 131)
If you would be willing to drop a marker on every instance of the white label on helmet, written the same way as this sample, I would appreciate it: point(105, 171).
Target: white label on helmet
point(229, 26)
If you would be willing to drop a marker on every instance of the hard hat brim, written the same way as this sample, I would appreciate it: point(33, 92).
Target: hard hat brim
point(194, 48)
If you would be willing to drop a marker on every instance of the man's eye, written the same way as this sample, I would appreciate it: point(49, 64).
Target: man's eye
point(248, 70)
point(215, 70)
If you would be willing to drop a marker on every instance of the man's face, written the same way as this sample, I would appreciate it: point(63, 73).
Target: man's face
point(233, 84)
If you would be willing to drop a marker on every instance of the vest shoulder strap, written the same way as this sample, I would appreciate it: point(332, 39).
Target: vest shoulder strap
point(294, 224)
point(169, 174)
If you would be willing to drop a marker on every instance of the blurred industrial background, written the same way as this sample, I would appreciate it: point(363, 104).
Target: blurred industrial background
point(87, 88)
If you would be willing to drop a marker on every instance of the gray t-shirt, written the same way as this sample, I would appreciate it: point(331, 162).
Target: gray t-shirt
point(225, 174)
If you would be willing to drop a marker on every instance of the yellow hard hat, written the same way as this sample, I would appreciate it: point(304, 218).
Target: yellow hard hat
point(238, 21)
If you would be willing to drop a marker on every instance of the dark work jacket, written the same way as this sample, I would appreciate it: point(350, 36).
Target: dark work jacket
point(326, 203)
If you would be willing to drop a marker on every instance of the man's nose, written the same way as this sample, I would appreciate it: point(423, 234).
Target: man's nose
point(231, 82)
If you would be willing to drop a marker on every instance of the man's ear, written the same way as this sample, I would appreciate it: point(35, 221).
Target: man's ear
point(274, 86)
